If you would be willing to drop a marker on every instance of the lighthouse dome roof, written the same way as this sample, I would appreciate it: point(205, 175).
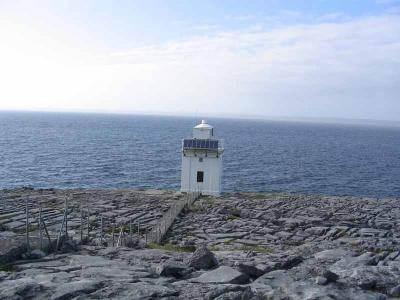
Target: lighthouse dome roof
point(203, 125)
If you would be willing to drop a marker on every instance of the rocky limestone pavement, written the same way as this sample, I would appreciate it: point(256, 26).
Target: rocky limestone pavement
point(247, 246)
point(116, 207)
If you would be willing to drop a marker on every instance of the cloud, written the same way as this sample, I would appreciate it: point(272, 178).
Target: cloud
point(387, 2)
point(348, 68)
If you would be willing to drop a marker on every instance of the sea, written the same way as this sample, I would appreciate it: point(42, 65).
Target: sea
point(77, 150)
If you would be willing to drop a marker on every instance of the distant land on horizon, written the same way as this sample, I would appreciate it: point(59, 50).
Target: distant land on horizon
point(199, 116)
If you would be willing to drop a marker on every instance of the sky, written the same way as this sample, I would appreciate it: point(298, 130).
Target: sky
point(294, 58)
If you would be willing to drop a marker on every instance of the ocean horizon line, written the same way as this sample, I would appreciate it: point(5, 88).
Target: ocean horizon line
point(198, 116)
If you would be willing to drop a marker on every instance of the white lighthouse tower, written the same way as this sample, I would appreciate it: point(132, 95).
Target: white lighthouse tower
point(202, 161)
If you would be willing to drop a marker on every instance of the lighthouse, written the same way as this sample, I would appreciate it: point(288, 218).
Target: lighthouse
point(202, 161)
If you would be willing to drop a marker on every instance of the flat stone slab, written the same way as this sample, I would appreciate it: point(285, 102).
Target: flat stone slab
point(14, 225)
point(372, 232)
point(23, 288)
point(135, 291)
point(222, 275)
point(75, 288)
point(332, 254)
point(232, 235)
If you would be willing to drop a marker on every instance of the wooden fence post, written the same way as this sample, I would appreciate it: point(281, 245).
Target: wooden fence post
point(40, 228)
point(66, 217)
point(112, 233)
point(88, 223)
point(28, 246)
point(60, 233)
point(101, 230)
point(130, 228)
point(120, 236)
point(47, 233)
point(81, 231)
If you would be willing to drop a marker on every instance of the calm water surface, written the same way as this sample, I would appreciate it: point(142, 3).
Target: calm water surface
point(88, 150)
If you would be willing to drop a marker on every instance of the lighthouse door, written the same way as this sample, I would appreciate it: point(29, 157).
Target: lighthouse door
point(200, 180)
point(200, 176)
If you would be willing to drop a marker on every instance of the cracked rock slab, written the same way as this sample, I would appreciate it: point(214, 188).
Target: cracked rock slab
point(222, 275)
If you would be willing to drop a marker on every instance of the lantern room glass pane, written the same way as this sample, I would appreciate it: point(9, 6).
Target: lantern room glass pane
point(200, 144)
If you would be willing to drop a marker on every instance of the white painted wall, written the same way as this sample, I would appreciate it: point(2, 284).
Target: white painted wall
point(212, 168)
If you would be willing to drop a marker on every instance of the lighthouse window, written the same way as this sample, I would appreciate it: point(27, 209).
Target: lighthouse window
point(200, 176)
point(200, 159)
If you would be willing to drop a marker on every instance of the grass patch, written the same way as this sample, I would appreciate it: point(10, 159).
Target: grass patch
point(235, 212)
point(259, 197)
point(31, 227)
point(170, 247)
point(228, 242)
point(203, 205)
point(269, 196)
point(232, 217)
point(210, 202)
point(7, 268)
point(196, 208)
point(259, 249)
point(214, 248)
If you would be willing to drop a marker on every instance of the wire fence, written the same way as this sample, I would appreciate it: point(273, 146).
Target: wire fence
point(97, 228)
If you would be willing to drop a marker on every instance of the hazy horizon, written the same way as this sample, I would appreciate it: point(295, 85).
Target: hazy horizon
point(199, 117)
point(263, 59)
